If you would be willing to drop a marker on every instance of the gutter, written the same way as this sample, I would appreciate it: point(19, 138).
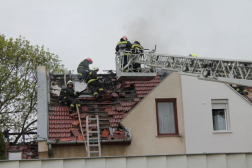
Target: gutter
point(104, 142)
point(50, 142)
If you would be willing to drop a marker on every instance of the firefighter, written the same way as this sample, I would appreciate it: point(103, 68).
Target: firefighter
point(124, 44)
point(83, 68)
point(242, 90)
point(193, 55)
point(137, 49)
point(69, 96)
point(192, 61)
point(94, 83)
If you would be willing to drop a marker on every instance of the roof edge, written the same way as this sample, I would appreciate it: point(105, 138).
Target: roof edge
point(145, 97)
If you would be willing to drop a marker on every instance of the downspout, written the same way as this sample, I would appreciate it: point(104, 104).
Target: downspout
point(50, 150)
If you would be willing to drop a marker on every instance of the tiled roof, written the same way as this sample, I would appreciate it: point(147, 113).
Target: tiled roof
point(114, 105)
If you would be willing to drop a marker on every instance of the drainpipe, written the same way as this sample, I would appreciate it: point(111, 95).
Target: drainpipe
point(50, 150)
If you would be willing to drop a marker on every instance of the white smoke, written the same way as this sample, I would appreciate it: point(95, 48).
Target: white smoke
point(214, 28)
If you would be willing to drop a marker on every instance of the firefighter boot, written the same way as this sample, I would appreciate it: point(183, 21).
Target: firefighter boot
point(71, 109)
point(101, 92)
point(79, 107)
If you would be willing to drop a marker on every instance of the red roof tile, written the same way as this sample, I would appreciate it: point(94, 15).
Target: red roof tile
point(105, 133)
point(75, 132)
point(118, 86)
point(76, 123)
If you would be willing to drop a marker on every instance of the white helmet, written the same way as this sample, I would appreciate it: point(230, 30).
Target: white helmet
point(95, 69)
point(70, 83)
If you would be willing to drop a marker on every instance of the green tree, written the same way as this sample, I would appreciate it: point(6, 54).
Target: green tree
point(18, 82)
point(2, 146)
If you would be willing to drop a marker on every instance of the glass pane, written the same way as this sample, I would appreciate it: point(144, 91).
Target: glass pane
point(219, 119)
point(166, 118)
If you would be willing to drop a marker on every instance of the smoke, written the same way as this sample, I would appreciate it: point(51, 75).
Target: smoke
point(220, 29)
point(143, 31)
point(155, 27)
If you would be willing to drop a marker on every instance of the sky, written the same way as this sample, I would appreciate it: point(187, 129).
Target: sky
point(78, 29)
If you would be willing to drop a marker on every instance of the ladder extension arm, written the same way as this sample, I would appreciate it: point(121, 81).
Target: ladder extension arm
point(218, 70)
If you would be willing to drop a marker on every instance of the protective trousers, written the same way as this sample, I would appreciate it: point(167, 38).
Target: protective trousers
point(71, 102)
point(82, 73)
point(96, 84)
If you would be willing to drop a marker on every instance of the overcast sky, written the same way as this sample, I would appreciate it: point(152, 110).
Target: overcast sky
point(77, 29)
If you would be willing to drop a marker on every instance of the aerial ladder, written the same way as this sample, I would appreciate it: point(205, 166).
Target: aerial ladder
point(211, 69)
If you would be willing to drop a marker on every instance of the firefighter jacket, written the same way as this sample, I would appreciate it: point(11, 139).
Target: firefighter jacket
point(92, 77)
point(69, 92)
point(84, 64)
point(136, 47)
point(123, 45)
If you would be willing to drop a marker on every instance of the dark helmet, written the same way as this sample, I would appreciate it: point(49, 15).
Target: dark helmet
point(137, 42)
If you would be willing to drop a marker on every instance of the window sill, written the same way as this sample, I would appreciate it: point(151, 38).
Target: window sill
point(160, 136)
point(220, 132)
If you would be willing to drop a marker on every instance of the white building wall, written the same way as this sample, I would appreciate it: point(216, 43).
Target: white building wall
point(199, 134)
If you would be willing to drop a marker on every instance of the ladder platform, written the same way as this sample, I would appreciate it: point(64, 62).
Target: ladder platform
point(135, 76)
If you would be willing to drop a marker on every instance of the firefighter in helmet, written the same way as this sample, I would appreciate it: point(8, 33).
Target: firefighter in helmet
point(83, 68)
point(69, 96)
point(125, 45)
point(137, 48)
point(94, 83)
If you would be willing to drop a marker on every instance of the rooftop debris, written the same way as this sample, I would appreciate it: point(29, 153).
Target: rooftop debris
point(119, 98)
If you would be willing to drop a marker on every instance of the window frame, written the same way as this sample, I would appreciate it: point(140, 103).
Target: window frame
point(174, 101)
point(226, 112)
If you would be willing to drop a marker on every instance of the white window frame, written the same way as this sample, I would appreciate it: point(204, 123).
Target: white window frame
point(221, 104)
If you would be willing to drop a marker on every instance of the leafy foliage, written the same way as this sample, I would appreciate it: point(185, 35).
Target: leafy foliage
point(18, 82)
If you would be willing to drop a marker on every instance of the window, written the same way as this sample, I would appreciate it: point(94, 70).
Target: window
point(220, 115)
point(166, 111)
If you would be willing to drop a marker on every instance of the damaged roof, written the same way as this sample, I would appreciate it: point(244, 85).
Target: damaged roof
point(119, 98)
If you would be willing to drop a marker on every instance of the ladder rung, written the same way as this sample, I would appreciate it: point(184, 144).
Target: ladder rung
point(92, 118)
point(92, 125)
point(94, 151)
point(90, 138)
point(94, 145)
point(93, 131)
